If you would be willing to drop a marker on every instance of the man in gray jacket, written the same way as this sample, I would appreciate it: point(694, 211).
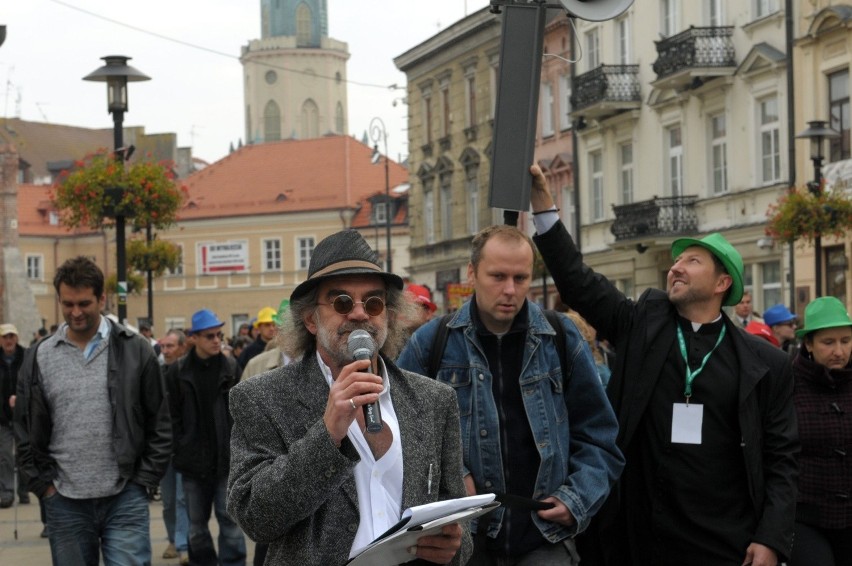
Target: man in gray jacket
point(305, 476)
point(94, 427)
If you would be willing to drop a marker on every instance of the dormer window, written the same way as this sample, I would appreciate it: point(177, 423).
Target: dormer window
point(380, 213)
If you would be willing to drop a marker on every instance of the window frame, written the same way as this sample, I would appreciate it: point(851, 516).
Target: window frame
point(674, 160)
point(769, 131)
point(626, 173)
point(305, 246)
point(274, 262)
point(472, 182)
point(718, 149)
point(839, 147)
point(593, 48)
point(35, 267)
point(470, 96)
point(547, 129)
point(596, 181)
point(565, 121)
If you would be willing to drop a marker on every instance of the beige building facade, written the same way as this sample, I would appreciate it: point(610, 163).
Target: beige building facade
point(681, 113)
point(554, 136)
point(822, 55)
point(451, 87)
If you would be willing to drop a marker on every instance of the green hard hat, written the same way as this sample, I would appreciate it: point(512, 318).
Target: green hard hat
point(824, 312)
point(725, 252)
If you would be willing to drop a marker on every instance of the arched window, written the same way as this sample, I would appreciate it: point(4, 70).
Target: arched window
point(338, 119)
point(310, 120)
point(271, 122)
point(303, 25)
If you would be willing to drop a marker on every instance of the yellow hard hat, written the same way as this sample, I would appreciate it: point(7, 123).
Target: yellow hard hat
point(265, 315)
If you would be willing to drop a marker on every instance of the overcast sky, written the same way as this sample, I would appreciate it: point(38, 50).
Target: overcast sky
point(190, 49)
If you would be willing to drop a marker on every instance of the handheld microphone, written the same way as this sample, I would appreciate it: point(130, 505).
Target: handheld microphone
point(362, 347)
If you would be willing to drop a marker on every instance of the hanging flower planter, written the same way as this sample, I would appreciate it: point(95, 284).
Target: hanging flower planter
point(156, 256)
point(99, 187)
point(803, 216)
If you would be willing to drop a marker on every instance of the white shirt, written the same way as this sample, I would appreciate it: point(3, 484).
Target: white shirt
point(378, 484)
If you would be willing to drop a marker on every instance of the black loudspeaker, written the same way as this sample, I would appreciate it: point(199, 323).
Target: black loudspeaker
point(521, 50)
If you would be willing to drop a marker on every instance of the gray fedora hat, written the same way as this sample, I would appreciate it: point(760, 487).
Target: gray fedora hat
point(343, 253)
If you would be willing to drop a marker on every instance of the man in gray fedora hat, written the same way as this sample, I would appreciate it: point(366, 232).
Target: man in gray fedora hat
point(305, 475)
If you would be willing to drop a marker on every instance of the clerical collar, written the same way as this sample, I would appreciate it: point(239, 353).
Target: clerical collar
point(713, 327)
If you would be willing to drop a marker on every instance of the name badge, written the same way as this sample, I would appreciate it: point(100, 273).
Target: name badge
point(686, 423)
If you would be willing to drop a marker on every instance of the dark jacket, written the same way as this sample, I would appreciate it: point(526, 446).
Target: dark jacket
point(142, 432)
point(643, 332)
point(192, 455)
point(823, 400)
point(9, 383)
point(252, 350)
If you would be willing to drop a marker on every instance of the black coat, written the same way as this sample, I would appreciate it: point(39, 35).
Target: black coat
point(142, 432)
point(192, 455)
point(642, 333)
point(9, 384)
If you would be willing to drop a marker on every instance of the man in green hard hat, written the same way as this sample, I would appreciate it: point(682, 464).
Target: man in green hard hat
point(705, 411)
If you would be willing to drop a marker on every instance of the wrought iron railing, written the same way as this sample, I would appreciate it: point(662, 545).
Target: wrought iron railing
point(660, 216)
point(695, 47)
point(607, 83)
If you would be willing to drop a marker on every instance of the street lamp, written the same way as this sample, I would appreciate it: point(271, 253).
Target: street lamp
point(116, 73)
point(817, 131)
point(379, 133)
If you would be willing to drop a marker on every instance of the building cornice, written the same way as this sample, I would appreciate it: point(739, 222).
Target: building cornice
point(469, 26)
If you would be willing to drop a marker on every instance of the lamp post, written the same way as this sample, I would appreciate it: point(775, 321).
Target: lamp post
point(379, 133)
point(817, 132)
point(116, 73)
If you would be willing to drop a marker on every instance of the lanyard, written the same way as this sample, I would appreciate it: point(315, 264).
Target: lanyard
point(690, 374)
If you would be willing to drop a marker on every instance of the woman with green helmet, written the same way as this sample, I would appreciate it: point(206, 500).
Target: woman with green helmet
point(823, 399)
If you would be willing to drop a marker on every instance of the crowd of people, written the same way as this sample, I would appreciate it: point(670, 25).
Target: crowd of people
point(675, 428)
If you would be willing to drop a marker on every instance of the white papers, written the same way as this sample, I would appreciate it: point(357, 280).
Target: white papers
point(392, 546)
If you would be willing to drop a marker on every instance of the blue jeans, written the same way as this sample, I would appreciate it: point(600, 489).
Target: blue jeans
point(202, 496)
point(117, 526)
point(174, 508)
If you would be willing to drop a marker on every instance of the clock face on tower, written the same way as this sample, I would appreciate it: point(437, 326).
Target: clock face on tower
point(271, 77)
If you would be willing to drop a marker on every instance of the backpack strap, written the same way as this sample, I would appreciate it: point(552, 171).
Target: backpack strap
point(555, 320)
point(439, 342)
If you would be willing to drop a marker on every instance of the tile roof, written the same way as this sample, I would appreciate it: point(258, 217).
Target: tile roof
point(34, 209)
point(39, 143)
point(289, 176)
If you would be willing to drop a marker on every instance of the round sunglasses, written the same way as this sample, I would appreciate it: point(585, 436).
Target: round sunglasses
point(344, 304)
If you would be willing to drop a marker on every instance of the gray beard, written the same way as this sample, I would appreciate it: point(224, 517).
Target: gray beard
point(336, 348)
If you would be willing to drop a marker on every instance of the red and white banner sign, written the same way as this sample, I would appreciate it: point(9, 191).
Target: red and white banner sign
point(223, 257)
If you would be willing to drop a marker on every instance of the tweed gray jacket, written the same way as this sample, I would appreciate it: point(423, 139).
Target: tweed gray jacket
point(291, 487)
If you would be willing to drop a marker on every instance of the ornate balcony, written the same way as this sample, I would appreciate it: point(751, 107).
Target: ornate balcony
point(660, 216)
point(605, 91)
point(695, 53)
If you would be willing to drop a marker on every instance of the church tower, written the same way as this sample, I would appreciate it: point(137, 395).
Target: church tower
point(295, 75)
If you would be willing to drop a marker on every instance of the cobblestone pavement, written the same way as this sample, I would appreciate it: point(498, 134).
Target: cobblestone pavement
point(29, 549)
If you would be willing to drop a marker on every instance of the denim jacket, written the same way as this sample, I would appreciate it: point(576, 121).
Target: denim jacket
point(573, 424)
